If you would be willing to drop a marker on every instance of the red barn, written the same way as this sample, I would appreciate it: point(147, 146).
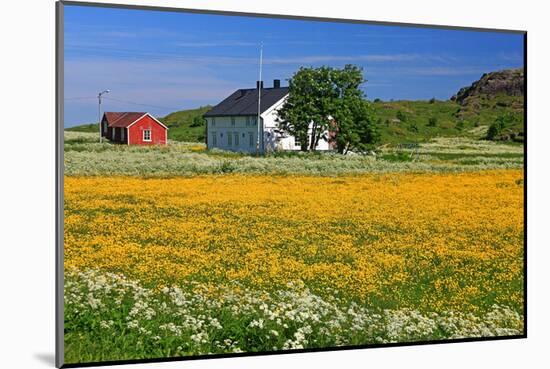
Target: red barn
point(133, 128)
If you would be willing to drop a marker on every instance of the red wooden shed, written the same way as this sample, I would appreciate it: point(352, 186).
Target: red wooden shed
point(133, 128)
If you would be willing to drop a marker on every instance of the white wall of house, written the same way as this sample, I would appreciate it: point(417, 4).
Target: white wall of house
point(238, 133)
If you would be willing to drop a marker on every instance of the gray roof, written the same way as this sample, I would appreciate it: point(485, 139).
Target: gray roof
point(245, 102)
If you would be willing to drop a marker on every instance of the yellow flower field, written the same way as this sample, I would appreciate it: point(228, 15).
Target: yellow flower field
point(432, 242)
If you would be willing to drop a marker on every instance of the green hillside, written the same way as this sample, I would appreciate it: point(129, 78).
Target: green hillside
point(92, 127)
point(414, 121)
point(186, 125)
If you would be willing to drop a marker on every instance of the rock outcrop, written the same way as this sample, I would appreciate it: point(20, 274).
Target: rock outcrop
point(508, 82)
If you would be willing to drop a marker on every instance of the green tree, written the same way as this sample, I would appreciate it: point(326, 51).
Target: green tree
point(329, 100)
point(311, 99)
point(500, 123)
point(354, 127)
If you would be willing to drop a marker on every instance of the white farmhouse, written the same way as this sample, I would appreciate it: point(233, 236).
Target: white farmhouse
point(232, 124)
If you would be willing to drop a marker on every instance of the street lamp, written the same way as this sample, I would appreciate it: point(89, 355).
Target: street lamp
point(99, 111)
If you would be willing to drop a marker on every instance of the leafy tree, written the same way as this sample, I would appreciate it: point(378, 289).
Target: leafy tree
point(499, 125)
point(328, 100)
point(432, 100)
point(355, 128)
point(311, 100)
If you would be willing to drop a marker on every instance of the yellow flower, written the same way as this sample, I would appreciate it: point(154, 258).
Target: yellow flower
point(439, 241)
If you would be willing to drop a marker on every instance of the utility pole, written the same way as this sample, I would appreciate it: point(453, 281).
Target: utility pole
point(99, 112)
point(259, 102)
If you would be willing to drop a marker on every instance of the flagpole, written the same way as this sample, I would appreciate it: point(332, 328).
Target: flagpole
point(259, 101)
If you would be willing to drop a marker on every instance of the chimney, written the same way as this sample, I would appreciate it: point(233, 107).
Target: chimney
point(259, 84)
point(276, 83)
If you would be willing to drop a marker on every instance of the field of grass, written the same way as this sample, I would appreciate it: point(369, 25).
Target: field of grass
point(228, 263)
point(420, 121)
point(85, 156)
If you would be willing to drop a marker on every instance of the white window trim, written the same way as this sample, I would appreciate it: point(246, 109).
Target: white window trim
point(150, 135)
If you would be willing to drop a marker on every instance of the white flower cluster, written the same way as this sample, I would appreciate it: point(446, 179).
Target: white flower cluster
point(192, 319)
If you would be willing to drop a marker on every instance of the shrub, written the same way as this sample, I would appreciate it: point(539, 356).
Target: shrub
point(432, 100)
point(432, 122)
point(198, 121)
point(496, 129)
point(401, 116)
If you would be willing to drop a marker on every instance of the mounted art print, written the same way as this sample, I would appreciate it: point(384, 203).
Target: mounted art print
point(235, 184)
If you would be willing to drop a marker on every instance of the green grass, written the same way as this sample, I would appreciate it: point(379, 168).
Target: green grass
point(92, 127)
point(409, 121)
point(181, 126)
point(85, 156)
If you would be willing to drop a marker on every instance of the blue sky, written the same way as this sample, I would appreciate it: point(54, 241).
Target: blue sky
point(172, 61)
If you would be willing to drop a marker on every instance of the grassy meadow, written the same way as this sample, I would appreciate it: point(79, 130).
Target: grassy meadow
point(85, 156)
point(178, 251)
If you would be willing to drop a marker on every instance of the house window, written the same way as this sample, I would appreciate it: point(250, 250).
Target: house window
point(248, 121)
point(214, 139)
point(146, 135)
point(229, 139)
point(250, 139)
point(254, 120)
point(113, 133)
point(232, 121)
point(213, 122)
point(236, 139)
point(105, 127)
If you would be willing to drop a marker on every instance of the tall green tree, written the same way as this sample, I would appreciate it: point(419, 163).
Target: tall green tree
point(310, 102)
point(325, 100)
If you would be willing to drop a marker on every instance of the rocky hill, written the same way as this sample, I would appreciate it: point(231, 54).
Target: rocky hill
point(505, 82)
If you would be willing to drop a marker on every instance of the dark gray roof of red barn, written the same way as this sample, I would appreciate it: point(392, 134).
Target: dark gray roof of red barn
point(245, 102)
